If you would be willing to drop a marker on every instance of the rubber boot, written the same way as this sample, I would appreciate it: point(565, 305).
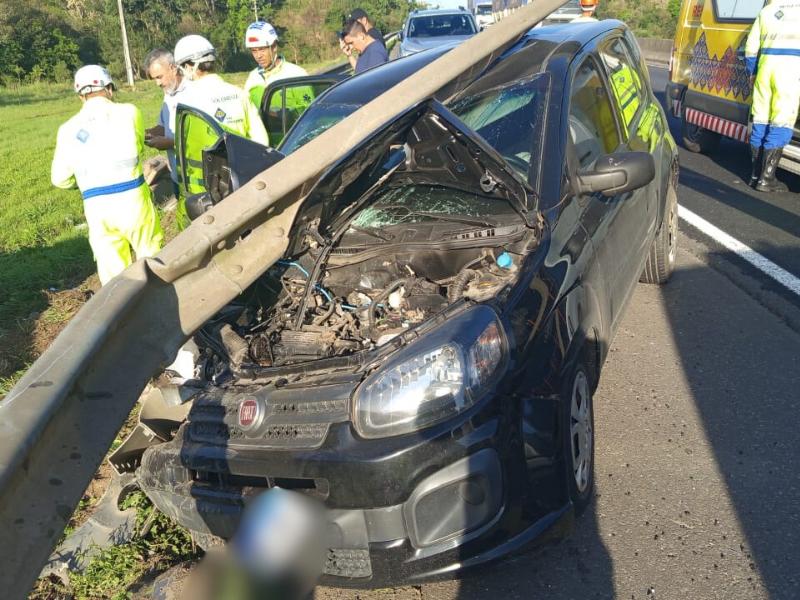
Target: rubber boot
point(756, 155)
point(768, 182)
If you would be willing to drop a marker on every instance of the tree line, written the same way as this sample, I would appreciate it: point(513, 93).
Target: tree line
point(47, 40)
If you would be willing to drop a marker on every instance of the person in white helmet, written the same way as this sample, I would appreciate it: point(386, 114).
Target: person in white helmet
point(99, 151)
point(229, 105)
point(262, 40)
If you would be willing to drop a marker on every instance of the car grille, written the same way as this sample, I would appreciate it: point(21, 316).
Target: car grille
point(289, 417)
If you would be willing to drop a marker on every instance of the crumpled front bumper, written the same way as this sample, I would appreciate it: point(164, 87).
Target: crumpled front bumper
point(401, 509)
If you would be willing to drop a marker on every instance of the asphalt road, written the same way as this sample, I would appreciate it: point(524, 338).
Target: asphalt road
point(696, 420)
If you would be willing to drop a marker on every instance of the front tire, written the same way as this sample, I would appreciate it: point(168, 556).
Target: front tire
point(664, 250)
point(577, 437)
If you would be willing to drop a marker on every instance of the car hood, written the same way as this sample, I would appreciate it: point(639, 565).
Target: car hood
point(420, 44)
point(426, 145)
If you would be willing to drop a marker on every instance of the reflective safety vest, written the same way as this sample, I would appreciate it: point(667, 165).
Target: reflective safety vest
point(99, 151)
point(626, 85)
point(775, 37)
point(233, 111)
point(296, 98)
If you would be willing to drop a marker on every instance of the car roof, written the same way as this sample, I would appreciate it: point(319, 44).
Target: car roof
point(565, 40)
point(438, 11)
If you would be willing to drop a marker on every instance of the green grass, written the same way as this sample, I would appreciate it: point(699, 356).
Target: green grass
point(43, 235)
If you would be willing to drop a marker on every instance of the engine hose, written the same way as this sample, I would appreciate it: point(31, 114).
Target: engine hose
point(460, 282)
point(372, 310)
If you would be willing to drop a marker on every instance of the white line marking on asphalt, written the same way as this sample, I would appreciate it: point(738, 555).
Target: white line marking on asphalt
point(744, 251)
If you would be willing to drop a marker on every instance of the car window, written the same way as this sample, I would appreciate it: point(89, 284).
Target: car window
point(735, 10)
point(627, 85)
point(286, 104)
point(592, 126)
point(440, 25)
point(318, 118)
point(507, 119)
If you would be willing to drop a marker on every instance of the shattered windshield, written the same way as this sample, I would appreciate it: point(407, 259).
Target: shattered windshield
point(507, 118)
point(318, 118)
point(413, 204)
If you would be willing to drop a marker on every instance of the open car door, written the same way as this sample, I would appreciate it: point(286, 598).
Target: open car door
point(284, 101)
point(213, 162)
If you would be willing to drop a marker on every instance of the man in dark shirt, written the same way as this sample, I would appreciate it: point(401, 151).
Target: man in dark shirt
point(360, 15)
point(370, 53)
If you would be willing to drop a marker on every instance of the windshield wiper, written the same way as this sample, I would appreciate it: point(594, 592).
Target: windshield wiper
point(386, 237)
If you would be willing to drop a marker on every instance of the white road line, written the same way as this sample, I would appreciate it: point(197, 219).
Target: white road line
point(744, 251)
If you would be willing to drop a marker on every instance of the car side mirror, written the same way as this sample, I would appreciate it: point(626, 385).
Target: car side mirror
point(618, 173)
point(400, 37)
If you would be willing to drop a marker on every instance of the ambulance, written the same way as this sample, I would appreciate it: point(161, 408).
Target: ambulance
point(709, 88)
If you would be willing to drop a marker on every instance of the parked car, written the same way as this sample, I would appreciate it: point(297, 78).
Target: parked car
point(423, 359)
point(570, 11)
point(483, 14)
point(426, 29)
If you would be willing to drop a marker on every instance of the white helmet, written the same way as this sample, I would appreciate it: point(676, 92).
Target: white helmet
point(195, 49)
point(260, 34)
point(92, 78)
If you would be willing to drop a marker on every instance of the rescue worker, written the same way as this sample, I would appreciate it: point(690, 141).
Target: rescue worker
point(227, 104)
point(262, 40)
point(772, 57)
point(99, 150)
point(587, 12)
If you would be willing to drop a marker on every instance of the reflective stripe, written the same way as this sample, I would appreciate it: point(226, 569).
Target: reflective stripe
point(781, 51)
point(113, 189)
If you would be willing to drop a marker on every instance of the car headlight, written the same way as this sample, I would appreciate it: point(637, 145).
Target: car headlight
point(435, 378)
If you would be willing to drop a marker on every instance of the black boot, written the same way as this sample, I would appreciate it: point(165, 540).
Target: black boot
point(768, 182)
point(756, 155)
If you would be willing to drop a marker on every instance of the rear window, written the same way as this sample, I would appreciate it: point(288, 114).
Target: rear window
point(737, 10)
point(440, 26)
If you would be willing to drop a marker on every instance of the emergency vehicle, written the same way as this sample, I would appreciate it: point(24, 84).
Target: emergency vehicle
point(709, 88)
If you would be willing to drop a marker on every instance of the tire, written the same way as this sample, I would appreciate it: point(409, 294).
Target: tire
point(697, 139)
point(577, 437)
point(661, 258)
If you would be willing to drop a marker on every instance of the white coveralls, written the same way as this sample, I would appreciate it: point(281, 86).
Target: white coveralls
point(99, 150)
point(772, 53)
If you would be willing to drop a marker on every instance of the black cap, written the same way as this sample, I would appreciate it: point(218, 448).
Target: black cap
point(357, 13)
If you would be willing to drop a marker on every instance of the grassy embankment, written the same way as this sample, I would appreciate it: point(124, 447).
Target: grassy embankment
point(45, 260)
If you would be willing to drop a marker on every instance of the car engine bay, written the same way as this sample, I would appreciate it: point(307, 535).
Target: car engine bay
point(393, 267)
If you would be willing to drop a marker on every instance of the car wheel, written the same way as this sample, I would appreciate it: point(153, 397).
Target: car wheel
point(698, 139)
point(578, 437)
point(661, 258)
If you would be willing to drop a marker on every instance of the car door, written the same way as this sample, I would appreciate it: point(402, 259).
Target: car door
point(284, 101)
point(212, 162)
point(594, 132)
point(642, 131)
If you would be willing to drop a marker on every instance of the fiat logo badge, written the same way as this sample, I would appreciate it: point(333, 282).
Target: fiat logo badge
point(248, 413)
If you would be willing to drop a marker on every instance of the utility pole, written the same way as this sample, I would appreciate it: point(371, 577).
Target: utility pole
point(125, 49)
point(255, 9)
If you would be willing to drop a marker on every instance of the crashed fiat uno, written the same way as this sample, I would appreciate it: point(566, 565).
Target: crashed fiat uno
point(423, 358)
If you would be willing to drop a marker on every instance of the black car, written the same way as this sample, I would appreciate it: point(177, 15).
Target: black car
point(423, 358)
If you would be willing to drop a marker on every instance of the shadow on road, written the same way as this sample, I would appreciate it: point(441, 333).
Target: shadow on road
point(745, 388)
point(744, 200)
point(578, 567)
